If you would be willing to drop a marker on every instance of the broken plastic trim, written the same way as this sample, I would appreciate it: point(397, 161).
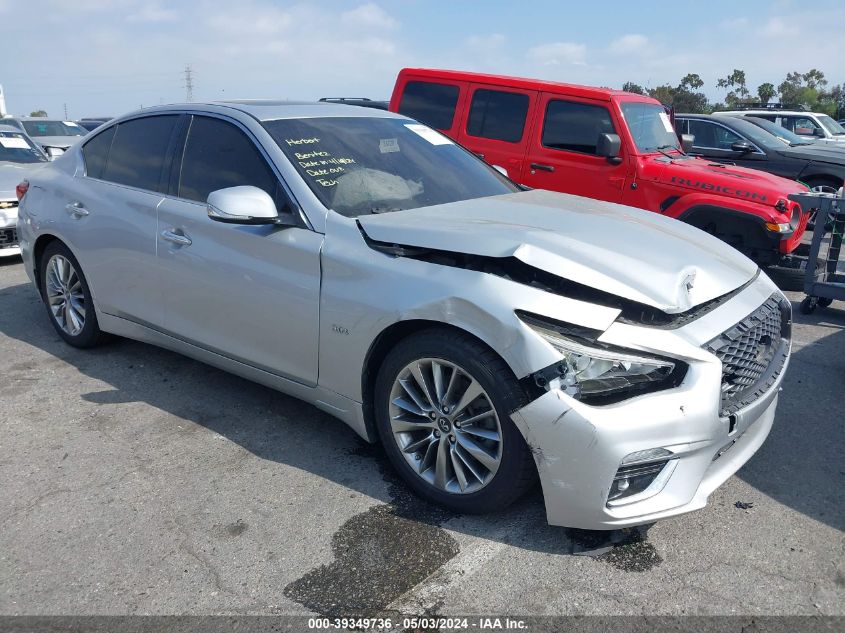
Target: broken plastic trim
point(515, 270)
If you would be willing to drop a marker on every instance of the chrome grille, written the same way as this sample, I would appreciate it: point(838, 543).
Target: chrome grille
point(8, 238)
point(753, 353)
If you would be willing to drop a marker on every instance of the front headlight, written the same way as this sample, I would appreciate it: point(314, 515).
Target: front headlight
point(602, 374)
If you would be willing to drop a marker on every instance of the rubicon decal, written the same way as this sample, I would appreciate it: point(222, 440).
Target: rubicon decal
point(728, 191)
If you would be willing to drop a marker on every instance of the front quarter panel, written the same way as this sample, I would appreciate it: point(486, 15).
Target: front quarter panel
point(364, 292)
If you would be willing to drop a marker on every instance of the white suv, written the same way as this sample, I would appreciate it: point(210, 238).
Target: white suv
point(810, 125)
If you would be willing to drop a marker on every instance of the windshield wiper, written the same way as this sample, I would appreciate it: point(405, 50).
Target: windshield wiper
point(376, 210)
point(662, 149)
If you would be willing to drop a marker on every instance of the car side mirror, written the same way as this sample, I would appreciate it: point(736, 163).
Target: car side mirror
point(244, 205)
point(744, 147)
point(687, 141)
point(818, 132)
point(609, 145)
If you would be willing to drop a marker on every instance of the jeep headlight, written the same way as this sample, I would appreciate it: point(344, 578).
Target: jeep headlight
point(603, 374)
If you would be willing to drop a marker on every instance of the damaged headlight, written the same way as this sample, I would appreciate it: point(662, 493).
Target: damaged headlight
point(602, 374)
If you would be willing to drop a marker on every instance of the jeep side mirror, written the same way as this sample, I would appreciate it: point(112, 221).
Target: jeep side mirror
point(609, 145)
point(744, 147)
point(686, 142)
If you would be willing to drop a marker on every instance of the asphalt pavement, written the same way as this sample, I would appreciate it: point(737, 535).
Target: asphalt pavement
point(137, 481)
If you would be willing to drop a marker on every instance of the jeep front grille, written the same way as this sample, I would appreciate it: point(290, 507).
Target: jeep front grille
point(753, 353)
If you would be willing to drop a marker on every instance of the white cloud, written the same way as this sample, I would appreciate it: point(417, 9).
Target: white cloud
point(486, 43)
point(369, 15)
point(633, 43)
point(777, 27)
point(152, 13)
point(558, 54)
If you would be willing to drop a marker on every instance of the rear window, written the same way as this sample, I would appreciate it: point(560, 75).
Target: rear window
point(16, 148)
point(138, 152)
point(575, 127)
point(498, 115)
point(430, 103)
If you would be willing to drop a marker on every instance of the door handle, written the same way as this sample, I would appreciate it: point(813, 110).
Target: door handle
point(176, 238)
point(76, 209)
point(542, 167)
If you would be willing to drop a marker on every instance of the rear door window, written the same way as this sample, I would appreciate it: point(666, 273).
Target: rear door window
point(219, 155)
point(497, 115)
point(801, 125)
point(96, 152)
point(430, 103)
point(575, 127)
point(138, 152)
point(709, 135)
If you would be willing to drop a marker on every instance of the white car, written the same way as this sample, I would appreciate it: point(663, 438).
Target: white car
point(815, 126)
point(18, 156)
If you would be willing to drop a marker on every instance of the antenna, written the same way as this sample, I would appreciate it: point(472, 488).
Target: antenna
point(189, 83)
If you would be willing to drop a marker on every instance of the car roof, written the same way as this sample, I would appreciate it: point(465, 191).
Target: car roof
point(771, 111)
point(271, 110)
point(521, 82)
point(10, 128)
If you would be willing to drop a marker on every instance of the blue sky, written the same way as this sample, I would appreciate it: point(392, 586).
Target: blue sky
point(106, 57)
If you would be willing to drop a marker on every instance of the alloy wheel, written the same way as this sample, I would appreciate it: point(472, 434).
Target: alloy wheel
point(445, 426)
point(65, 295)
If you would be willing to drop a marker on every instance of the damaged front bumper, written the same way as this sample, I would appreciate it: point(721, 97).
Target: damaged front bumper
point(674, 444)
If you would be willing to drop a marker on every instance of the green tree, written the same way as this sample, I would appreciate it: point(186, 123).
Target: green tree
point(766, 91)
point(802, 89)
point(683, 97)
point(41, 113)
point(737, 90)
point(630, 86)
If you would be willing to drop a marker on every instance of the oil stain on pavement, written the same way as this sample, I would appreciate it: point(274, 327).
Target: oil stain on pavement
point(378, 554)
point(626, 550)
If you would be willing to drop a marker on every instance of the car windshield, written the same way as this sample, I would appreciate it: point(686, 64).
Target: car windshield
point(650, 126)
point(788, 137)
point(831, 126)
point(762, 138)
point(53, 128)
point(16, 148)
point(361, 165)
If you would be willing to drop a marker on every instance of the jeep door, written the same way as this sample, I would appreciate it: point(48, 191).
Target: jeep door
point(497, 125)
point(250, 293)
point(562, 149)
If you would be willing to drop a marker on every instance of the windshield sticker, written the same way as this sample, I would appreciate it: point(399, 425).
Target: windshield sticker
point(388, 145)
point(435, 138)
point(667, 124)
point(13, 143)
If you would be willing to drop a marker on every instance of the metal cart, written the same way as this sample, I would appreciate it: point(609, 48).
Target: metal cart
point(823, 282)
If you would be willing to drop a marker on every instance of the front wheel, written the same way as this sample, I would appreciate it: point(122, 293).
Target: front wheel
point(442, 407)
point(66, 295)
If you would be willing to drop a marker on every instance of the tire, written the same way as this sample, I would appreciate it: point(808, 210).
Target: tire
point(414, 441)
point(791, 278)
point(808, 305)
point(825, 302)
point(67, 297)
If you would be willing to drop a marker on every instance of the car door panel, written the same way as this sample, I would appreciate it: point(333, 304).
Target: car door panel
point(250, 293)
point(568, 170)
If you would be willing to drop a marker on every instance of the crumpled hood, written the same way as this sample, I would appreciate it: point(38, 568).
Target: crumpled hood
point(638, 255)
point(11, 175)
point(729, 180)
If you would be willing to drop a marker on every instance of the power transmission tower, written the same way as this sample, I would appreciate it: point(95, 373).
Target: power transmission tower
point(189, 83)
point(65, 112)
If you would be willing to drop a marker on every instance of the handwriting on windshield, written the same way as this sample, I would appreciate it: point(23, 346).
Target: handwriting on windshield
point(318, 163)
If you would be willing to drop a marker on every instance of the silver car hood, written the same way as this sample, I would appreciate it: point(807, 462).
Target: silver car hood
point(635, 254)
point(11, 175)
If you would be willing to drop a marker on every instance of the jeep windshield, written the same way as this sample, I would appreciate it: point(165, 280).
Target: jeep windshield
point(362, 165)
point(831, 126)
point(650, 126)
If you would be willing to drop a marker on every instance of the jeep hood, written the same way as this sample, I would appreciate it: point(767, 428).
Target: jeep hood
point(638, 255)
point(705, 176)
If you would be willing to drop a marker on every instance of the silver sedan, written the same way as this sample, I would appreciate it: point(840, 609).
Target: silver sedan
point(484, 334)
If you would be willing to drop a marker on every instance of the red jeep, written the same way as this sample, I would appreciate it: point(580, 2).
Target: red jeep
point(604, 144)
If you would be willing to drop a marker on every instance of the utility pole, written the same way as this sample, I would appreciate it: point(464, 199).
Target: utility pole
point(189, 83)
point(65, 112)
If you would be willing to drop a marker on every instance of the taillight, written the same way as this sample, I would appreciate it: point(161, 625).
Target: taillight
point(21, 189)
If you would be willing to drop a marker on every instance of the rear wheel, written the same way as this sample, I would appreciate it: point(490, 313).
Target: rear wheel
point(442, 406)
point(67, 297)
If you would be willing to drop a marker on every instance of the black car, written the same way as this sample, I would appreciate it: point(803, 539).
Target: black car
point(727, 139)
point(92, 123)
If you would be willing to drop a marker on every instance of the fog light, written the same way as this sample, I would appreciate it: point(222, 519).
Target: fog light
point(641, 474)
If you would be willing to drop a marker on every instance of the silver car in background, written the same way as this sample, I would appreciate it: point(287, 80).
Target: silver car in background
point(18, 157)
point(363, 262)
point(53, 135)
